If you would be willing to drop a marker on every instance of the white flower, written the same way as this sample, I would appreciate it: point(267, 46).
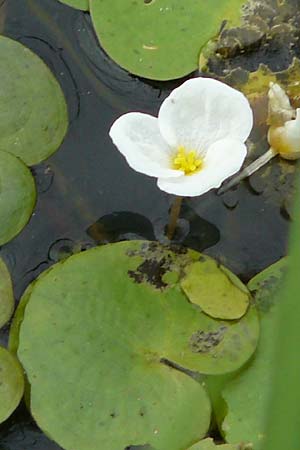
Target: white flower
point(284, 132)
point(196, 142)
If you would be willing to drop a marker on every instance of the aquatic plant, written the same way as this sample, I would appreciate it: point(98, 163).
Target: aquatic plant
point(196, 142)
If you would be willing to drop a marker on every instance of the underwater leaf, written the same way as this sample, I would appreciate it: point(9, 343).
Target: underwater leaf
point(78, 4)
point(262, 49)
point(6, 294)
point(110, 324)
point(267, 34)
point(217, 291)
point(247, 394)
point(160, 40)
point(17, 195)
point(33, 110)
point(208, 444)
point(11, 384)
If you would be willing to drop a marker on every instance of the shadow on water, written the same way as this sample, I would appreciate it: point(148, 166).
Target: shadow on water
point(88, 194)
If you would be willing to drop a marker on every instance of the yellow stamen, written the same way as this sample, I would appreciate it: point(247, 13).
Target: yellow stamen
point(187, 161)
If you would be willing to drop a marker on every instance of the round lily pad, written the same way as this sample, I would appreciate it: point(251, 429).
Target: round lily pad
point(17, 195)
point(6, 294)
point(78, 4)
point(11, 384)
point(208, 444)
point(111, 324)
point(33, 110)
point(159, 39)
point(218, 292)
point(247, 395)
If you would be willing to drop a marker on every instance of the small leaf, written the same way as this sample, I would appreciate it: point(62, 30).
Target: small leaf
point(17, 195)
point(218, 292)
point(33, 110)
point(208, 444)
point(6, 294)
point(11, 384)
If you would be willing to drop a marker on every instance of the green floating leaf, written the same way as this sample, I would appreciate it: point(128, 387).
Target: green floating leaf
point(78, 4)
point(6, 294)
point(208, 444)
point(247, 395)
point(33, 110)
point(17, 195)
point(110, 324)
point(11, 384)
point(218, 292)
point(162, 39)
point(265, 284)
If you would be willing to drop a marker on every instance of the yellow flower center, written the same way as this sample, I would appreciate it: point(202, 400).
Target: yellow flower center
point(187, 161)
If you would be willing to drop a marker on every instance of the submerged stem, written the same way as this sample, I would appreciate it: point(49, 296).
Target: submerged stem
point(249, 170)
point(174, 214)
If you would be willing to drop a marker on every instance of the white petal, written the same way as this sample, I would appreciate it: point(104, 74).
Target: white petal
point(223, 159)
point(137, 137)
point(202, 111)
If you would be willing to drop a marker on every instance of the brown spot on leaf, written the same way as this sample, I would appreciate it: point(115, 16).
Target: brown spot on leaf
point(157, 261)
point(204, 342)
point(150, 271)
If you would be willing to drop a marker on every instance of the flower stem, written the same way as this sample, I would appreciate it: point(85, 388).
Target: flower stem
point(249, 170)
point(174, 214)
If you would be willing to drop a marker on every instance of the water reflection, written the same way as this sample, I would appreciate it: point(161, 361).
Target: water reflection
point(43, 175)
point(191, 231)
point(62, 248)
point(114, 227)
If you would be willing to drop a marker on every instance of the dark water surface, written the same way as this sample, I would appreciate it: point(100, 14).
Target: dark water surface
point(89, 195)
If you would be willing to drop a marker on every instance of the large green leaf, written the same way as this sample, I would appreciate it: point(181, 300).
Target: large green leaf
point(17, 195)
point(110, 324)
point(78, 4)
point(33, 112)
point(248, 393)
point(159, 39)
point(283, 418)
point(11, 384)
point(6, 294)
